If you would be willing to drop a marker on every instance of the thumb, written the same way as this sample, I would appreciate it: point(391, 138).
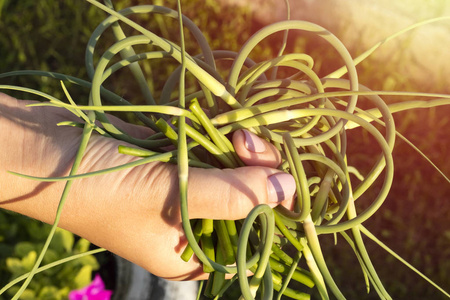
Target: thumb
point(231, 194)
point(255, 151)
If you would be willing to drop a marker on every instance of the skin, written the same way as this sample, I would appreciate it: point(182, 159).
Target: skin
point(134, 212)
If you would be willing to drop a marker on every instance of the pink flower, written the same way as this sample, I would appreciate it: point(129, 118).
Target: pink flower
point(94, 291)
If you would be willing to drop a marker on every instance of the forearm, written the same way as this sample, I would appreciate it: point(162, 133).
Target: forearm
point(25, 141)
point(33, 144)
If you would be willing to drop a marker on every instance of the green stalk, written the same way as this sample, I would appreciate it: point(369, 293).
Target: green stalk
point(134, 67)
point(291, 271)
point(224, 242)
point(219, 139)
point(267, 225)
point(188, 252)
point(290, 275)
point(314, 269)
point(233, 235)
point(313, 241)
point(294, 294)
point(286, 233)
point(218, 279)
point(209, 250)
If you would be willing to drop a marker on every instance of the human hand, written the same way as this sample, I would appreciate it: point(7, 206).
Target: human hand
point(134, 212)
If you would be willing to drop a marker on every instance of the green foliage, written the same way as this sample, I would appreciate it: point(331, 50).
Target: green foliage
point(21, 241)
point(45, 35)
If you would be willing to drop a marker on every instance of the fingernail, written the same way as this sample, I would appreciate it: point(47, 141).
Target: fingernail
point(253, 143)
point(281, 186)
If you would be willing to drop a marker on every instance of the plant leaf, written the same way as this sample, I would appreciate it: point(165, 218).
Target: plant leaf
point(84, 277)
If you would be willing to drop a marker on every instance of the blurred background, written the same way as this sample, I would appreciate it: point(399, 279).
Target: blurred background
point(52, 35)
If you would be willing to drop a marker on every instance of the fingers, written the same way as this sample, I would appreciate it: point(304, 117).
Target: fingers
point(232, 193)
point(255, 151)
